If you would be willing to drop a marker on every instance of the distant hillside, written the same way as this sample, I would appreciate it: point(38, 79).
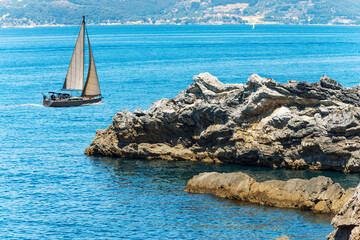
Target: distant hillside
point(39, 12)
point(53, 12)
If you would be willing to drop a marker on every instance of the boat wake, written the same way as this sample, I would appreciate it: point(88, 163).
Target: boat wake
point(22, 105)
point(94, 104)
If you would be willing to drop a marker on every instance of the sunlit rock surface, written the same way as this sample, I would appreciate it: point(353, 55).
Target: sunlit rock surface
point(296, 125)
point(283, 238)
point(319, 194)
point(347, 221)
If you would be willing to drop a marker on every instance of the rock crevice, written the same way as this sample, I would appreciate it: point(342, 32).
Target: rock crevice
point(296, 125)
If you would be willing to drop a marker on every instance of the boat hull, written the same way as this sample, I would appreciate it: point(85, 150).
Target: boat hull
point(70, 102)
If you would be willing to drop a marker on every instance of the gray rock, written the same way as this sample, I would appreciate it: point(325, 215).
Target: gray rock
point(347, 220)
point(319, 194)
point(296, 125)
point(283, 238)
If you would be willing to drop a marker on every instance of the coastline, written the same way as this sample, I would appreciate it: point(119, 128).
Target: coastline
point(170, 24)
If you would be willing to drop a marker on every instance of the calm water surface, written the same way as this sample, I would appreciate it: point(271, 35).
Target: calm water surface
point(50, 189)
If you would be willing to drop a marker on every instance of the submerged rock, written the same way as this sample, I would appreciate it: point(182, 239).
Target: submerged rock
point(347, 221)
point(295, 125)
point(283, 238)
point(318, 194)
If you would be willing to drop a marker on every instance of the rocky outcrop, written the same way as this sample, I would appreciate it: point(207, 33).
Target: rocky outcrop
point(347, 221)
point(296, 125)
point(319, 194)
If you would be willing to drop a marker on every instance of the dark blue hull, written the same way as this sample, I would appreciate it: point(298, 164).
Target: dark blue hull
point(70, 102)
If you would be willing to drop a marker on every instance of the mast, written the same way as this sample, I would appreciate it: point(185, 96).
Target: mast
point(75, 75)
point(83, 60)
point(83, 37)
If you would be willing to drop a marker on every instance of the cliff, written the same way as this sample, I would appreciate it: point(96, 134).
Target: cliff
point(296, 125)
point(319, 194)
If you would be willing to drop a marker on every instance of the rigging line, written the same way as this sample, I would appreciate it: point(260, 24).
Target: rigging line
point(88, 41)
point(83, 67)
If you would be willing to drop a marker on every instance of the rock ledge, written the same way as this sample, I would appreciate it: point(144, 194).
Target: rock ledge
point(319, 194)
point(296, 125)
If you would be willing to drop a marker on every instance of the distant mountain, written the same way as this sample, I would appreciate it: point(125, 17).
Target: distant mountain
point(64, 12)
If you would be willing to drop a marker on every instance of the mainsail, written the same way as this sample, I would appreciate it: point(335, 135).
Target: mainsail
point(92, 87)
point(75, 75)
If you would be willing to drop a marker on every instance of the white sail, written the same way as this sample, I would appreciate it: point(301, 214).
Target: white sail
point(92, 87)
point(75, 75)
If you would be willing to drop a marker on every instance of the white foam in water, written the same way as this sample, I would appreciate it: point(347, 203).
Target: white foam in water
point(39, 105)
point(94, 104)
point(23, 105)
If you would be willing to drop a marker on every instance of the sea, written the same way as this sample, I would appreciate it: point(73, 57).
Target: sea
point(49, 189)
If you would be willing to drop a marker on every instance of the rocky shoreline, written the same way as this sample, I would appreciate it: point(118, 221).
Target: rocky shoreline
point(296, 125)
point(347, 221)
point(319, 194)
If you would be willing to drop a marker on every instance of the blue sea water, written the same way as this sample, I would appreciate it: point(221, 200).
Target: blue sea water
point(50, 189)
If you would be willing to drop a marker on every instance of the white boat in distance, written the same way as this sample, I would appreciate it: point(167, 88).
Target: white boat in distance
point(74, 80)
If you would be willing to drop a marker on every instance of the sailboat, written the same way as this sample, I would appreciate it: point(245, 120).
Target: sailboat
point(253, 27)
point(74, 81)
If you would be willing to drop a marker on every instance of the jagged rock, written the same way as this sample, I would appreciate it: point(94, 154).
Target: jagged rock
point(318, 194)
point(347, 220)
point(296, 125)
